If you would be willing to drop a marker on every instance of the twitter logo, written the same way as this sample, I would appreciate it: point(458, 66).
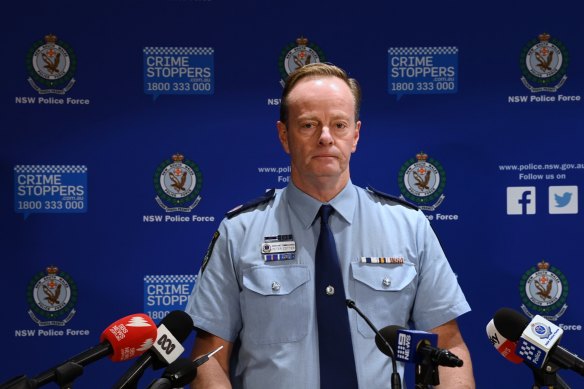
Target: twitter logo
point(563, 200)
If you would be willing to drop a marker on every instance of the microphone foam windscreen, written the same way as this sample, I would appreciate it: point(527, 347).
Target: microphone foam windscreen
point(179, 323)
point(388, 333)
point(130, 336)
point(510, 323)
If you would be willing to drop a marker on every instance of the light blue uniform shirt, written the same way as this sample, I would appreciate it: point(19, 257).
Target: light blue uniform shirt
point(267, 308)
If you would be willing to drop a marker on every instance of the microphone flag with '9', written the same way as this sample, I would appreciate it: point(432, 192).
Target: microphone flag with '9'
point(130, 336)
point(504, 346)
point(408, 342)
point(414, 346)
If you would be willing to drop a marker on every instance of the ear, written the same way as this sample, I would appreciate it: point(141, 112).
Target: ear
point(283, 135)
point(356, 135)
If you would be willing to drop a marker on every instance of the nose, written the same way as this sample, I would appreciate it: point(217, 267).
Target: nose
point(325, 136)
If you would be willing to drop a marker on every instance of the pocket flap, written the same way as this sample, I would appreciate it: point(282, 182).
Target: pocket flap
point(382, 276)
point(275, 280)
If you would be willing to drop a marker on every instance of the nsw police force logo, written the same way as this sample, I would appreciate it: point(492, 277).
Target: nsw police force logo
point(178, 183)
point(544, 62)
point(298, 54)
point(422, 181)
point(544, 289)
point(52, 64)
point(52, 295)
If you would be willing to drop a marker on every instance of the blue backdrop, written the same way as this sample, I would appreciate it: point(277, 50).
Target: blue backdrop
point(97, 98)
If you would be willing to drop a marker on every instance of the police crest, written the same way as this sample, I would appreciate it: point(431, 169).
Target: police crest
point(178, 183)
point(298, 54)
point(544, 289)
point(544, 62)
point(52, 295)
point(422, 181)
point(51, 63)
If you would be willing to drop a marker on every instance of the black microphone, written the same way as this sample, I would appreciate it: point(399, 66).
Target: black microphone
point(172, 331)
point(511, 325)
point(395, 378)
point(423, 346)
point(180, 372)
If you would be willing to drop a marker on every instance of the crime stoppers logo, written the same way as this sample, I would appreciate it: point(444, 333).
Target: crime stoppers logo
point(296, 55)
point(544, 62)
point(544, 289)
point(51, 64)
point(422, 181)
point(178, 183)
point(166, 293)
point(51, 295)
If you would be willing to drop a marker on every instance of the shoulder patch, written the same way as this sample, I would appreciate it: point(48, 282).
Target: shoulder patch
point(269, 195)
point(209, 252)
point(392, 198)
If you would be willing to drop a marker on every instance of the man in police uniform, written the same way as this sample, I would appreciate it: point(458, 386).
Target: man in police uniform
point(255, 292)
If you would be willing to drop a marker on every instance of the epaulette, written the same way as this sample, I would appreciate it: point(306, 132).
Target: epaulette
point(392, 198)
point(270, 193)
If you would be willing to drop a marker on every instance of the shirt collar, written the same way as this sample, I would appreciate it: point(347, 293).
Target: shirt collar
point(306, 207)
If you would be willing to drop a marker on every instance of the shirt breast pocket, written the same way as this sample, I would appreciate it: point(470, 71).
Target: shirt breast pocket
point(385, 293)
point(275, 304)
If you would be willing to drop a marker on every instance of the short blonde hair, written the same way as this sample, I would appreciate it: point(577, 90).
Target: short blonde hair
point(318, 69)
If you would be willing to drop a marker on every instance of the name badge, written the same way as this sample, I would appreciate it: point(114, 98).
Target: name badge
point(278, 248)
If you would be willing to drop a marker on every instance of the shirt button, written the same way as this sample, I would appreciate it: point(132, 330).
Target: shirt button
point(330, 290)
point(276, 286)
point(386, 282)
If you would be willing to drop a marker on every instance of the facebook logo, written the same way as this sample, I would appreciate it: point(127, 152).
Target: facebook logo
point(563, 200)
point(521, 200)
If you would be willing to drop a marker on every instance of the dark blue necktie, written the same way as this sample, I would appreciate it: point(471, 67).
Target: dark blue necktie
point(337, 363)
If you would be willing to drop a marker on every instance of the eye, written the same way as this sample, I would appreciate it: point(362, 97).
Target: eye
point(308, 125)
point(341, 125)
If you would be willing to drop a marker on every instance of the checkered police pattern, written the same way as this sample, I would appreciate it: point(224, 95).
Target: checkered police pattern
point(50, 169)
point(162, 278)
point(422, 50)
point(527, 351)
point(178, 50)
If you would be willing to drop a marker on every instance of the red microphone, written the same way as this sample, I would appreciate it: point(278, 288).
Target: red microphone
point(125, 338)
point(129, 337)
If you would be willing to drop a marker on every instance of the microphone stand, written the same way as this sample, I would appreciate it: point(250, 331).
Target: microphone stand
point(395, 378)
point(548, 377)
point(426, 373)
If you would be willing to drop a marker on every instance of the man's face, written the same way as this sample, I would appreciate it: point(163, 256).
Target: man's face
point(321, 132)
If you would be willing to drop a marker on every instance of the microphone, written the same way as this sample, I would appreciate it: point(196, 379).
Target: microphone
point(124, 339)
point(387, 349)
point(504, 346)
point(172, 331)
point(181, 372)
point(537, 340)
point(403, 339)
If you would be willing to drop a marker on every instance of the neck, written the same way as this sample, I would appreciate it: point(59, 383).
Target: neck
point(322, 189)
